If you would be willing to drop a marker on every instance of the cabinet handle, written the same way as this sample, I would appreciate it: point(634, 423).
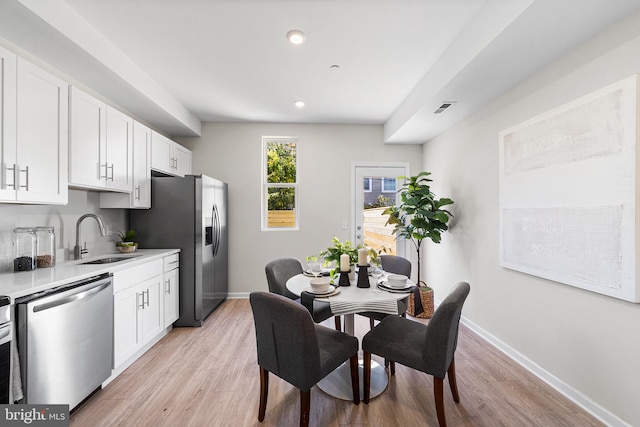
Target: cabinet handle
point(26, 171)
point(137, 193)
point(147, 292)
point(138, 299)
point(100, 166)
point(167, 288)
point(110, 167)
point(176, 160)
point(13, 169)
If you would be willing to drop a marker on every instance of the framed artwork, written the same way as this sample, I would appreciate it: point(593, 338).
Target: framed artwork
point(568, 193)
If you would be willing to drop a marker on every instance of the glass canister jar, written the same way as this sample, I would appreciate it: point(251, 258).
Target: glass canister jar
point(46, 247)
point(25, 244)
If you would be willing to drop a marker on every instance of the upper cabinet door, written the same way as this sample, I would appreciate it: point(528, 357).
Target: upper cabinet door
point(169, 157)
point(42, 135)
point(161, 151)
point(141, 195)
point(182, 158)
point(8, 171)
point(119, 156)
point(88, 167)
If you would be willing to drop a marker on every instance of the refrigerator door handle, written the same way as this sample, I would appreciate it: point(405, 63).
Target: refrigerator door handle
point(216, 230)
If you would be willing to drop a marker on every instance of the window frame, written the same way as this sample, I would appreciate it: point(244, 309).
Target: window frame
point(383, 190)
point(370, 181)
point(264, 219)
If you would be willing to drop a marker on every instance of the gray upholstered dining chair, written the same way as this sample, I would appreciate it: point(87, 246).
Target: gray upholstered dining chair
point(397, 265)
point(428, 348)
point(282, 269)
point(291, 346)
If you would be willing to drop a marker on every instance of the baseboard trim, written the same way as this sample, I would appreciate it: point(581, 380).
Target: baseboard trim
point(565, 389)
point(238, 295)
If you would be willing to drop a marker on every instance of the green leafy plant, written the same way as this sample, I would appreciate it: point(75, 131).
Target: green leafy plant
point(126, 238)
point(420, 215)
point(333, 253)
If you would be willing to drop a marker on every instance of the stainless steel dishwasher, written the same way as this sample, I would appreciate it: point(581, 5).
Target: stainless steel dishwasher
point(65, 341)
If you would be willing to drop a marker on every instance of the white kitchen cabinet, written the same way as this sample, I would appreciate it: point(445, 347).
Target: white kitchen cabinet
point(140, 196)
point(138, 308)
point(169, 157)
point(101, 145)
point(171, 289)
point(34, 133)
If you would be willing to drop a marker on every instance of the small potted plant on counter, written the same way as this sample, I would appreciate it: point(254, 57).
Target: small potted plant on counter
point(125, 244)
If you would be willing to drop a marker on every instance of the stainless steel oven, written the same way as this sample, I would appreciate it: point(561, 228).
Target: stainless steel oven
point(5, 349)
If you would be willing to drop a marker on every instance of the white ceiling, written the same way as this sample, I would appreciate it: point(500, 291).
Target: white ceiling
point(177, 63)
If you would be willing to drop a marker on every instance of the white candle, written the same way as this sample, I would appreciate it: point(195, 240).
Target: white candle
point(344, 262)
point(362, 256)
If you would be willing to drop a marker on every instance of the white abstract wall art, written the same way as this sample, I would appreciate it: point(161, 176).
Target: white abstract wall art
point(568, 187)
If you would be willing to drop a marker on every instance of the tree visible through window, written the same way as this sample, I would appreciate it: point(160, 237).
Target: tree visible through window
point(280, 183)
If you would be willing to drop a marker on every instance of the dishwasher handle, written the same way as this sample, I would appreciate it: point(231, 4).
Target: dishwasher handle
point(102, 284)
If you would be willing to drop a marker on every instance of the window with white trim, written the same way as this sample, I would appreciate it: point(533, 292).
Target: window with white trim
point(279, 183)
point(388, 185)
point(367, 185)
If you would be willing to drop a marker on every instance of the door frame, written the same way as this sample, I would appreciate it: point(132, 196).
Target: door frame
point(402, 249)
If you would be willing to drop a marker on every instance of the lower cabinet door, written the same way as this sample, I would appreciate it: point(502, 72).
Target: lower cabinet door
point(171, 297)
point(127, 324)
point(152, 312)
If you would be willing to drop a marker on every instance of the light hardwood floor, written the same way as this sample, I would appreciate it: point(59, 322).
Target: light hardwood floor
point(208, 376)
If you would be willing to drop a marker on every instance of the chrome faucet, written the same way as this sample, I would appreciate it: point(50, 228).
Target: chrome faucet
point(77, 250)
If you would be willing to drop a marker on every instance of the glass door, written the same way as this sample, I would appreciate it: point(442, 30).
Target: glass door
point(375, 187)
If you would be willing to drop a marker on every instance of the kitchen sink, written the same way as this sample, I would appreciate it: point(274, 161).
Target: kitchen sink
point(108, 260)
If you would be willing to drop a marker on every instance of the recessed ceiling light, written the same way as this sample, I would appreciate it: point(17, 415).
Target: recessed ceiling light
point(334, 67)
point(299, 104)
point(296, 36)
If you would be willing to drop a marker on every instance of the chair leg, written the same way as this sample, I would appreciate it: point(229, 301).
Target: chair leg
point(451, 372)
point(355, 379)
point(438, 395)
point(371, 324)
point(305, 407)
point(338, 323)
point(367, 376)
point(264, 391)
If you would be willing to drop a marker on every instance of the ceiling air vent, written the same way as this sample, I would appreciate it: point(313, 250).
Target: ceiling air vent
point(444, 106)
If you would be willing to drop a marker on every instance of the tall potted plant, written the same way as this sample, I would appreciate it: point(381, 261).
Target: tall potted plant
point(419, 216)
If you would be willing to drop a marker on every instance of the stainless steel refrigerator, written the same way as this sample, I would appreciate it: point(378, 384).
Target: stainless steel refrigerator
point(190, 213)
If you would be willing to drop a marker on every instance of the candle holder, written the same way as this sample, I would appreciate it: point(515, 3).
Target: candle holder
point(344, 279)
point(363, 276)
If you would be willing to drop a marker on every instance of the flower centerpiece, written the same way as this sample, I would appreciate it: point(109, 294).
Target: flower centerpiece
point(125, 244)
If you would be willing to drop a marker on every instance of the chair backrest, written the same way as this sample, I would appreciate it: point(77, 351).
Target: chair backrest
point(278, 272)
point(286, 339)
point(396, 264)
point(442, 331)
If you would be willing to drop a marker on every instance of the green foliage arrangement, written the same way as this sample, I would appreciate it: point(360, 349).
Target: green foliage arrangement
point(420, 215)
point(126, 238)
point(333, 253)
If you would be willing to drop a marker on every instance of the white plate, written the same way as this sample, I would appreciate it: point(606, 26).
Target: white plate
point(336, 292)
point(324, 273)
point(327, 292)
point(392, 289)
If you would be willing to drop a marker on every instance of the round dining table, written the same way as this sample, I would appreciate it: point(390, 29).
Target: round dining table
point(348, 301)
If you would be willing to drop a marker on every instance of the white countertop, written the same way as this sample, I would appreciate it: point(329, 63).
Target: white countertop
point(23, 283)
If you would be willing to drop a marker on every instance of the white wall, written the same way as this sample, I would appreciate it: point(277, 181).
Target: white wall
point(63, 219)
point(232, 152)
point(585, 343)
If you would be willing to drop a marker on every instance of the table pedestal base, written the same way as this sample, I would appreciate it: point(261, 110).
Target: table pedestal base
point(338, 382)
